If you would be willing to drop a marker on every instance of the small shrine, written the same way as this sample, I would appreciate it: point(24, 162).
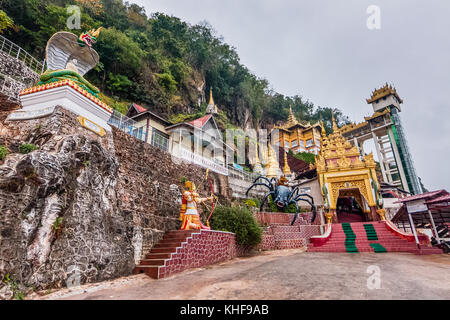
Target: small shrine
point(345, 178)
point(69, 58)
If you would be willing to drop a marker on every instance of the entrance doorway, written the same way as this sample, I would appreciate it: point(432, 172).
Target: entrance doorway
point(350, 206)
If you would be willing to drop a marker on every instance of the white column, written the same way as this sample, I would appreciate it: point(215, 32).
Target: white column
point(434, 227)
point(380, 158)
point(413, 227)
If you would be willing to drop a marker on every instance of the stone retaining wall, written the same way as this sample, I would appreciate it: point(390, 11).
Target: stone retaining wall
point(203, 248)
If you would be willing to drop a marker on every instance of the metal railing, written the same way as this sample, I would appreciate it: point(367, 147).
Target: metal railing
point(241, 174)
point(197, 159)
point(20, 54)
point(127, 125)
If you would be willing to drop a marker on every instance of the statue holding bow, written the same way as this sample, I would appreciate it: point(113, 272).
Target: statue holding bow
point(189, 213)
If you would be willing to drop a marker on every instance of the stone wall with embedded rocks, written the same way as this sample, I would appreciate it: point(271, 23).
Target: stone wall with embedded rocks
point(83, 207)
point(150, 187)
point(17, 70)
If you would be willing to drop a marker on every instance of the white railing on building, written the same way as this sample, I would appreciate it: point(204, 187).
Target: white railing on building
point(20, 54)
point(202, 161)
point(241, 174)
point(127, 125)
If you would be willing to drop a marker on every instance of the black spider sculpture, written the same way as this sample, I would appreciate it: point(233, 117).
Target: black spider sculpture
point(282, 195)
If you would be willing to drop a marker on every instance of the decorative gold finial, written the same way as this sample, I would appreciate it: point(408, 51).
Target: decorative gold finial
point(291, 119)
point(272, 165)
point(96, 33)
point(335, 127)
point(323, 129)
point(211, 100)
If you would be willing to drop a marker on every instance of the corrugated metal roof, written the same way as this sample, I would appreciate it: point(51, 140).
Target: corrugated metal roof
point(425, 195)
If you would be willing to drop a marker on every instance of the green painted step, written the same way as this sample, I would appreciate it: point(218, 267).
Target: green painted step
point(372, 235)
point(378, 247)
point(350, 237)
point(370, 232)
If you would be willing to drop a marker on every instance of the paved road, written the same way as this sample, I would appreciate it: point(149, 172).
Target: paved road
point(288, 274)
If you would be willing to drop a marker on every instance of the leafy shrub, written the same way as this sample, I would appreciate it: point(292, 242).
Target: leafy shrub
point(27, 148)
point(3, 152)
point(250, 203)
point(273, 207)
point(240, 221)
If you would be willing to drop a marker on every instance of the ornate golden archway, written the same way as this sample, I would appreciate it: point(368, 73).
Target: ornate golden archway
point(356, 194)
point(341, 168)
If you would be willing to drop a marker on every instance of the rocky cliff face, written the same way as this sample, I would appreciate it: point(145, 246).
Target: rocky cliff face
point(60, 220)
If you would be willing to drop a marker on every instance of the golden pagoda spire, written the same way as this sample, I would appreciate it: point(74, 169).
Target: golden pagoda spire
point(211, 108)
point(257, 168)
point(335, 127)
point(286, 168)
point(272, 165)
point(291, 119)
point(323, 129)
point(211, 100)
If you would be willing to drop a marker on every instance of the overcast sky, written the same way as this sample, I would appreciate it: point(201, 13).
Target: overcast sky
point(324, 51)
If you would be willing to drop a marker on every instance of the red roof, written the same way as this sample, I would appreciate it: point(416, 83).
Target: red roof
point(200, 122)
point(444, 198)
point(426, 195)
point(139, 108)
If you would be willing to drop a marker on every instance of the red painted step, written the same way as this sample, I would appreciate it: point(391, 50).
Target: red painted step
point(388, 239)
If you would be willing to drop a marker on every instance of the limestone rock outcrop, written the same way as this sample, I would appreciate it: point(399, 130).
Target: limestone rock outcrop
point(59, 215)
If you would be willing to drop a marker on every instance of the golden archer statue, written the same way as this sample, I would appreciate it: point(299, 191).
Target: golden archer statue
point(188, 212)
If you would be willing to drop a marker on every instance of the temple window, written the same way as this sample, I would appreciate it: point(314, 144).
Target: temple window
point(309, 143)
point(286, 143)
point(294, 143)
point(160, 140)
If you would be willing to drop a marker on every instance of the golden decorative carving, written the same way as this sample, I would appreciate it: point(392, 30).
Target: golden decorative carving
point(382, 214)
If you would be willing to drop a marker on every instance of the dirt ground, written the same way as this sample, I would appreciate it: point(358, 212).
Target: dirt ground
point(286, 274)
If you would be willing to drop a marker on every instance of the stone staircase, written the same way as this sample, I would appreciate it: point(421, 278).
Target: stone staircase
point(367, 237)
point(180, 250)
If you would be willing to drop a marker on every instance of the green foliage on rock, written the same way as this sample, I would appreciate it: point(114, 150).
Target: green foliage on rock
point(304, 156)
point(5, 22)
point(17, 293)
point(240, 221)
point(27, 148)
point(3, 152)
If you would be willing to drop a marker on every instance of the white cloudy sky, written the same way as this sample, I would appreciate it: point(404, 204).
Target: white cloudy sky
point(323, 50)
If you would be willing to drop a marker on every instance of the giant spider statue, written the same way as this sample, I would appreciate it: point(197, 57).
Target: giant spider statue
point(282, 195)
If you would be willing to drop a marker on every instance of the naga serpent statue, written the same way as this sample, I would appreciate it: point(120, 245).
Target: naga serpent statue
point(282, 195)
point(70, 57)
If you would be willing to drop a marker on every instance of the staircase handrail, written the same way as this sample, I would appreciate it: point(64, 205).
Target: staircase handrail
point(20, 54)
point(423, 239)
point(320, 240)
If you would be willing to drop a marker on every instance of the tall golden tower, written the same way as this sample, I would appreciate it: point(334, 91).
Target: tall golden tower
point(272, 165)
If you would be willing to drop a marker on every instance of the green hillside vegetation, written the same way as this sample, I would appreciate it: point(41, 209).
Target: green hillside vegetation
point(160, 62)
